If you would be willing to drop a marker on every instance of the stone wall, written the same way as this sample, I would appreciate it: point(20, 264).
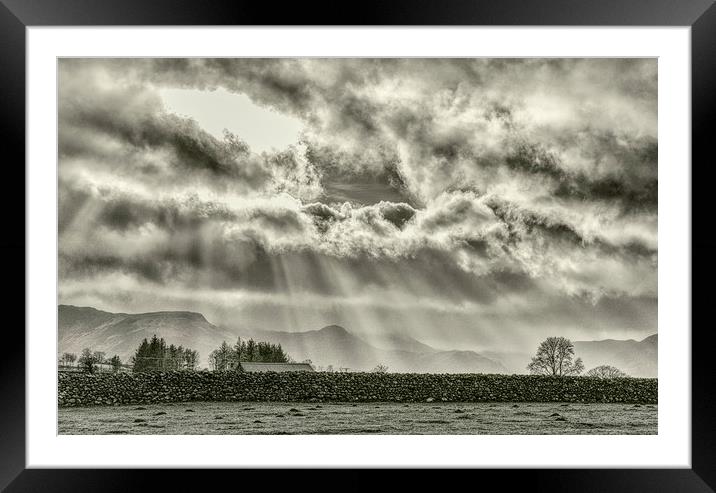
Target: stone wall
point(79, 389)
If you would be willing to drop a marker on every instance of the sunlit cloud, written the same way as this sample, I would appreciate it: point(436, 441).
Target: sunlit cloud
point(263, 129)
point(480, 201)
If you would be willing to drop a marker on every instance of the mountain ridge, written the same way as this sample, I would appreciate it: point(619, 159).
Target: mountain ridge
point(334, 345)
point(337, 346)
point(636, 358)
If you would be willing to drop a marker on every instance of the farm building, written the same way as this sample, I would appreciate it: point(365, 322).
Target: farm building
point(277, 367)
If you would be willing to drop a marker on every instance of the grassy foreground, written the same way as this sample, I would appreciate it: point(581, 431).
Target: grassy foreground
point(458, 418)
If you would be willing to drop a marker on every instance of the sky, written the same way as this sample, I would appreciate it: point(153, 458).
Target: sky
point(470, 203)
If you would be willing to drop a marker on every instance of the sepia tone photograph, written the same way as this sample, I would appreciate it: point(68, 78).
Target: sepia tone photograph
point(357, 246)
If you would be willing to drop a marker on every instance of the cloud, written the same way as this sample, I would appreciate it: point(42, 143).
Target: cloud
point(479, 183)
point(124, 129)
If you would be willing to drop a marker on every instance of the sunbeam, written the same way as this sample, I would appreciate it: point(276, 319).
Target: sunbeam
point(482, 207)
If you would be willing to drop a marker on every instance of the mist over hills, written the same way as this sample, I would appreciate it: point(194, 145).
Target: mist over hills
point(398, 342)
point(121, 333)
point(334, 345)
point(636, 358)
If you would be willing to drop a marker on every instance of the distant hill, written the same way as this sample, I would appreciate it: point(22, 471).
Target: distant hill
point(331, 345)
point(457, 362)
point(336, 346)
point(636, 358)
point(397, 342)
point(121, 333)
point(515, 362)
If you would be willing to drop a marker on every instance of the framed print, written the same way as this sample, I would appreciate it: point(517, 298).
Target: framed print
point(409, 238)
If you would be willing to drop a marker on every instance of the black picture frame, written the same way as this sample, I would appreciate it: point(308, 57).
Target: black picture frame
point(16, 15)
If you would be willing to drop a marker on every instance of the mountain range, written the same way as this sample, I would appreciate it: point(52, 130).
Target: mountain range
point(635, 358)
point(121, 334)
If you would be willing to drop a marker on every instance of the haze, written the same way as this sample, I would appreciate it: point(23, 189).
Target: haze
point(469, 203)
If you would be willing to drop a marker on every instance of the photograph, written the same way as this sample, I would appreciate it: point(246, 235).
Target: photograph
point(355, 246)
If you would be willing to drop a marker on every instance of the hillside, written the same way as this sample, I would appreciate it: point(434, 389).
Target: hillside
point(121, 333)
point(331, 345)
point(336, 346)
point(636, 358)
point(397, 342)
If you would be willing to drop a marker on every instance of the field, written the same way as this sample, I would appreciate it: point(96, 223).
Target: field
point(280, 418)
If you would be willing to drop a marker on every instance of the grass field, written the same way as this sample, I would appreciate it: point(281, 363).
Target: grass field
point(238, 418)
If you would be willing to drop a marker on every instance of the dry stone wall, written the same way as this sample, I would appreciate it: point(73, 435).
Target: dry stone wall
point(79, 389)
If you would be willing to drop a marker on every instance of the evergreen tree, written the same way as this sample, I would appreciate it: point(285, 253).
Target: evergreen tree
point(228, 358)
point(250, 350)
point(171, 358)
point(140, 361)
point(280, 356)
point(156, 355)
point(238, 348)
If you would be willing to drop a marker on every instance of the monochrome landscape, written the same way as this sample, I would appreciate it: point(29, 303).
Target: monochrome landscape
point(400, 246)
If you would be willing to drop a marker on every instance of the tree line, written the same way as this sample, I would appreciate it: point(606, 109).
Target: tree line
point(90, 360)
point(155, 354)
point(227, 357)
point(555, 357)
point(152, 354)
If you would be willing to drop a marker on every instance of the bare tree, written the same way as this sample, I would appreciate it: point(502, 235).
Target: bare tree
point(554, 357)
point(99, 356)
point(68, 358)
point(606, 371)
point(380, 369)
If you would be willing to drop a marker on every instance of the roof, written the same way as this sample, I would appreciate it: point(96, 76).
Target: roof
point(277, 367)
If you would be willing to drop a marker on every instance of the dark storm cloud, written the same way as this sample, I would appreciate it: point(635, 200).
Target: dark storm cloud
point(125, 212)
point(398, 214)
point(134, 120)
point(624, 168)
point(123, 127)
point(493, 187)
point(344, 100)
point(191, 242)
point(355, 176)
point(186, 262)
point(322, 212)
point(632, 175)
point(166, 241)
point(457, 208)
point(121, 213)
point(283, 84)
point(522, 224)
